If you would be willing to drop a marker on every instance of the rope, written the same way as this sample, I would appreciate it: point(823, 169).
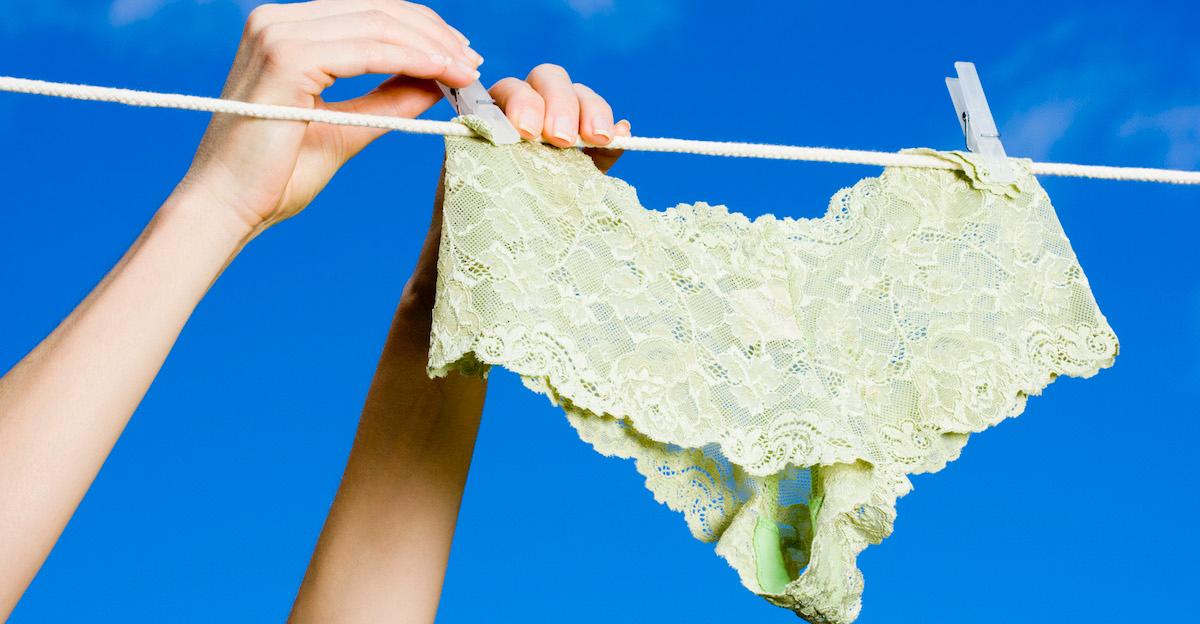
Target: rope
point(649, 144)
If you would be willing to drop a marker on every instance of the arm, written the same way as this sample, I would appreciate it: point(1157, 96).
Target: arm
point(65, 404)
point(382, 554)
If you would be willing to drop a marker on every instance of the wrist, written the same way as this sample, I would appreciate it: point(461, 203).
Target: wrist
point(195, 204)
point(202, 228)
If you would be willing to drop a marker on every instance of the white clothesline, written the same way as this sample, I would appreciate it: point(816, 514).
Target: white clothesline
point(649, 144)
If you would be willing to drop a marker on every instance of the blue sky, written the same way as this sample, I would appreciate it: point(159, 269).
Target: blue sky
point(209, 506)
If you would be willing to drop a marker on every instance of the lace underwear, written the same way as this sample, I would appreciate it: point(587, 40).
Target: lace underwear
point(775, 380)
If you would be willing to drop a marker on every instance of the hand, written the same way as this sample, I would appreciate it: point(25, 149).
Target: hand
point(265, 171)
point(381, 557)
point(547, 104)
point(544, 105)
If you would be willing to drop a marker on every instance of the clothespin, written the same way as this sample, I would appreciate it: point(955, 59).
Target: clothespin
point(473, 99)
point(975, 117)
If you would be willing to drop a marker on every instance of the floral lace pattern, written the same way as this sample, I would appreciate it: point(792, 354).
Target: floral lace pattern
point(774, 380)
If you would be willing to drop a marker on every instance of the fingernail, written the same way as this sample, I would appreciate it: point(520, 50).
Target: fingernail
point(438, 58)
point(559, 129)
point(554, 129)
point(526, 124)
point(470, 70)
point(600, 127)
point(563, 135)
point(475, 56)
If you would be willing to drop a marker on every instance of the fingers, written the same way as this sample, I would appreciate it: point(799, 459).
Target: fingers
point(523, 106)
point(437, 21)
point(457, 33)
point(548, 105)
point(311, 43)
point(380, 26)
point(561, 125)
point(527, 110)
point(398, 96)
point(595, 116)
point(408, 12)
point(323, 61)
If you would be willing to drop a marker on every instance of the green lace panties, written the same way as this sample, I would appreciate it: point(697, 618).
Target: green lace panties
point(775, 380)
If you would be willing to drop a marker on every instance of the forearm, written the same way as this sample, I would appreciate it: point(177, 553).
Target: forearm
point(382, 554)
point(64, 405)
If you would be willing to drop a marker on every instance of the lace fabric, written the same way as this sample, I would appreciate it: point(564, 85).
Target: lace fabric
point(775, 380)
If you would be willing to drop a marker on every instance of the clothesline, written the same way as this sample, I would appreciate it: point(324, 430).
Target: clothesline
point(153, 99)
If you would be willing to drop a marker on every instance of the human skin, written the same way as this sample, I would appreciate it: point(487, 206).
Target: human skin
point(382, 553)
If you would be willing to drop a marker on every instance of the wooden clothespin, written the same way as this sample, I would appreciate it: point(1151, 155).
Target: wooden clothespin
point(975, 117)
point(473, 99)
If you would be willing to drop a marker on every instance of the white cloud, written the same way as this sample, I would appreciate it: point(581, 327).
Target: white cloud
point(1079, 96)
point(627, 24)
point(123, 12)
point(1178, 126)
point(1033, 132)
point(103, 19)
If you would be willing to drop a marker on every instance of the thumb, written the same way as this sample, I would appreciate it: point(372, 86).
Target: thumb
point(398, 96)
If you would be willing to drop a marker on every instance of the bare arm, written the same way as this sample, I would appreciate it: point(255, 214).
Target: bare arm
point(64, 405)
point(382, 554)
point(383, 551)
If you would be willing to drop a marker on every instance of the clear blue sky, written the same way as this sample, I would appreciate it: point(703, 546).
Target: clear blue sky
point(1079, 511)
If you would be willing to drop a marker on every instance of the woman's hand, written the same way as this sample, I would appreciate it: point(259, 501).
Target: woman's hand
point(545, 106)
point(265, 171)
point(64, 405)
point(383, 551)
point(548, 105)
